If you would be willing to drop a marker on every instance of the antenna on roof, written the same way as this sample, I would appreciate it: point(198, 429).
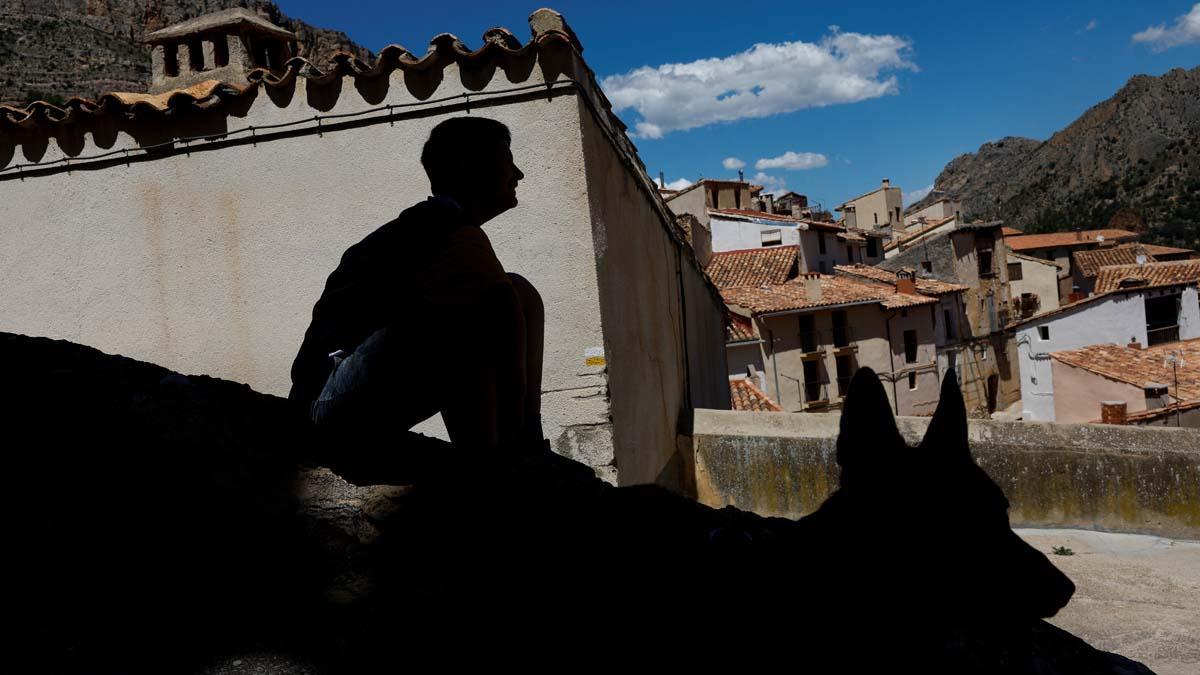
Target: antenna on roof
point(741, 175)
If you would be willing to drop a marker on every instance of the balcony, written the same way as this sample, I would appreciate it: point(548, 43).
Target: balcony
point(810, 345)
point(816, 395)
point(844, 340)
point(1161, 334)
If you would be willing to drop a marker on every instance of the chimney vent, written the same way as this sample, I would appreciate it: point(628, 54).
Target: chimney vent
point(887, 183)
point(1113, 412)
point(812, 287)
point(1156, 395)
point(1134, 344)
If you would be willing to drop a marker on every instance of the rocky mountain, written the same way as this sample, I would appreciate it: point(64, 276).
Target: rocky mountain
point(56, 49)
point(1132, 161)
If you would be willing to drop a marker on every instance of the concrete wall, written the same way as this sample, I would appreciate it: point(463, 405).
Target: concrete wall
point(869, 323)
point(210, 262)
point(1078, 393)
point(1115, 319)
point(1036, 277)
point(1128, 479)
point(740, 356)
point(658, 311)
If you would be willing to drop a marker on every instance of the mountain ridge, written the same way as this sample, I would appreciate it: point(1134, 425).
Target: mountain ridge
point(1130, 161)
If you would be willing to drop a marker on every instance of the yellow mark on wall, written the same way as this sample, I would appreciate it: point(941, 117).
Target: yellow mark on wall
point(594, 356)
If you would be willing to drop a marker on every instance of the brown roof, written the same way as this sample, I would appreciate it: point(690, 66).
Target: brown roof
point(1027, 242)
point(1090, 262)
point(1011, 231)
point(779, 217)
point(1156, 250)
point(924, 286)
point(500, 48)
point(1013, 254)
point(1148, 275)
point(835, 290)
point(754, 266)
point(739, 329)
point(1157, 413)
point(913, 234)
point(1141, 367)
point(745, 396)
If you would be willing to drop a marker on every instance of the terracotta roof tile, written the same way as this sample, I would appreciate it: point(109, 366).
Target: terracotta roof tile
point(499, 49)
point(1027, 242)
point(1011, 231)
point(739, 329)
point(835, 290)
point(743, 395)
point(924, 286)
point(1090, 262)
point(778, 217)
point(1140, 367)
point(753, 267)
point(1148, 275)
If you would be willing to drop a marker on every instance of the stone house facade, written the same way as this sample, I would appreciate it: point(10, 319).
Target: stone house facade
point(195, 228)
point(972, 255)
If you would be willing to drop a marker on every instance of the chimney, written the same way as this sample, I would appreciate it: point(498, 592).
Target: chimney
point(1156, 395)
point(1113, 412)
point(812, 287)
point(796, 210)
point(769, 203)
point(906, 282)
point(887, 183)
point(1134, 344)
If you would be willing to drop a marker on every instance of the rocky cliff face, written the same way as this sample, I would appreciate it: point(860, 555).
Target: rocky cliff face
point(56, 49)
point(1131, 161)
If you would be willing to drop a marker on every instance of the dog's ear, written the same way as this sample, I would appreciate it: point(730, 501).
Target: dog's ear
point(947, 430)
point(867, 426)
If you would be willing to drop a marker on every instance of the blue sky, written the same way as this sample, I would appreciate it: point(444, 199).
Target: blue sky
point(858, 91)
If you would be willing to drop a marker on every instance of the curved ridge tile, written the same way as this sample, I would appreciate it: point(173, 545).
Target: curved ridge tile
point(501, 36)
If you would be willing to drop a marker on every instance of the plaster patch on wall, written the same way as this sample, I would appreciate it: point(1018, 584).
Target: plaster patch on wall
point(594, 356)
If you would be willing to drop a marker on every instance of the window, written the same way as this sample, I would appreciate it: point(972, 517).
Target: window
point(949, 324)
point(910, 346)
point(985, 262)
point(1043, 333)
point(849, 254)
point(912, 381)
point(821, 267)
point(171, 60)
point(737, 199)
point(844, 371)
point(771, 238)
point(841, 329)
point(821, 243)
point(1162, 318)
point(195, 55)
point(872, 247)
point(808, 333)
point(220, 51)
point(926, 267)
point(897, 214)
point(876, 218)
point(1014, 271)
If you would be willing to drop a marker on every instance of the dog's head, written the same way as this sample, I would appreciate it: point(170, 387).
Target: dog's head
point(942, 517)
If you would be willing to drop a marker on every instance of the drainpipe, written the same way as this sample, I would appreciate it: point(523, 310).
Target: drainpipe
point(892, 362)
point(774, 366)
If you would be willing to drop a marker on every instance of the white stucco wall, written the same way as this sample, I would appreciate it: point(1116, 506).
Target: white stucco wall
point(211, 262)
point(1114, 319)
point(737, 235)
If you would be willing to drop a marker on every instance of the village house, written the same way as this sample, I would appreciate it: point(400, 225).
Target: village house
point(1128, 384)
point(195, 227)
point(912, 235)
point(1059, 247)
point(1032, 285)
point(880, 208)
point(1087, 264)
point(821, 245)
point(1144, 304)
point(799, 337)
point(941, 208)
point(972, 255)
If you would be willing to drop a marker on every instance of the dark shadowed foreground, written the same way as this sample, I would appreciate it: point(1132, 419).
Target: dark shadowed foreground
point(164, 523)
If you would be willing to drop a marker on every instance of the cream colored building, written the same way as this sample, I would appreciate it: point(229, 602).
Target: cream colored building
point(940, 209)
point(1032, 285)
point(196, 228)
point(882, 207)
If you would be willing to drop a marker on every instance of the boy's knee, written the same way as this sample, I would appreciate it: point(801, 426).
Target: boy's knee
point(530, 299)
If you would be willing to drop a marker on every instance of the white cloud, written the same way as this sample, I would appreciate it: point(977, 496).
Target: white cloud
point(1185, 30)
point(793, 161)
point(733, 163)
point(1091, 25)
point(917, 195)
point(769, 182)
point(678, 184)
point(765, 80)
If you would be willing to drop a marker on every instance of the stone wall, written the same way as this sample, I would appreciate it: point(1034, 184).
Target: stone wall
point(1127, 479)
